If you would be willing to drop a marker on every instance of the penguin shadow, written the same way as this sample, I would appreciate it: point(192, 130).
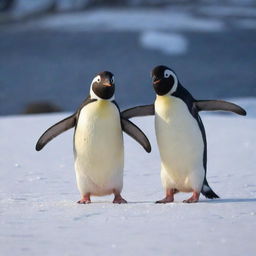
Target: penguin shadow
point(141, 202)
point(229, 200)
point(213, 201)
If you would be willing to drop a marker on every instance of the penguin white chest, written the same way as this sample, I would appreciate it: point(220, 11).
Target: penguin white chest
point(99, 150)
point(180, 145)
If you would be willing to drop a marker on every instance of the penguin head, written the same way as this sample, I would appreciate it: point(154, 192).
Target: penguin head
point(103, 86)
point(164, 80)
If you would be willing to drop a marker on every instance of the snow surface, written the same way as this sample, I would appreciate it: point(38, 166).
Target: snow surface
point(129, 20)
point(38, 194)
point(168, 43)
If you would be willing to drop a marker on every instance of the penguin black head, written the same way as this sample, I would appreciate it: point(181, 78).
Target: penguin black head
point(164, 80)
point(103, 86)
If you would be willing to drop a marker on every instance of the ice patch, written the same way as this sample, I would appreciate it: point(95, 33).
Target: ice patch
point(169, 43)
point(129, 20)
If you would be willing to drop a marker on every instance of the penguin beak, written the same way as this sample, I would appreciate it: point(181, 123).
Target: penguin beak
point(107, 84)
point(158, 86)
point(155, 80)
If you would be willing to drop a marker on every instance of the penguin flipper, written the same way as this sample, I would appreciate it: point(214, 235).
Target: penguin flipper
point(55, 130)
point(146, 110)
point(135, 132)
point(211, 105)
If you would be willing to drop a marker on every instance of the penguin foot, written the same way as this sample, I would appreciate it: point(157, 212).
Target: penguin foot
point(190, 200)
point(193, 199)
point(119, 200)
point(82, 201)
point(169, 196)
point(167, 199)
point(85, 200)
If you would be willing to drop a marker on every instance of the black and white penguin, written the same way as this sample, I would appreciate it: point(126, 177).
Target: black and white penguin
point(98, 141)
point(180, 135)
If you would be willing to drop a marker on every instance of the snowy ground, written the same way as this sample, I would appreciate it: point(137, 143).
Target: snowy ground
point(39, 216)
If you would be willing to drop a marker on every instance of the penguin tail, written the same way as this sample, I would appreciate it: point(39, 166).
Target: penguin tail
point(208, 192)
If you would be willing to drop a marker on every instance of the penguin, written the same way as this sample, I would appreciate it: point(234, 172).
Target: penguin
point(180, 135)
point(98, 141)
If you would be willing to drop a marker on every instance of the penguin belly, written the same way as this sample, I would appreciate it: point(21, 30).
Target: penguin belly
point(99, 149)
point(180, 145)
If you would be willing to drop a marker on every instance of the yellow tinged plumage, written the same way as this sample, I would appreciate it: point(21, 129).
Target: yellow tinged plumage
point(99, 149)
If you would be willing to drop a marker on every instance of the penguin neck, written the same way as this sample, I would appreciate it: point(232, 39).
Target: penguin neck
point(102, 102)
point(164, 102)
point(103, 108)
point(164, 98)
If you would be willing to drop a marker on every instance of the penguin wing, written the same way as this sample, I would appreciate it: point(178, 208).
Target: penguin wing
point(146, 110)
point(135, 132)
point(55, 130)
point(208, 105)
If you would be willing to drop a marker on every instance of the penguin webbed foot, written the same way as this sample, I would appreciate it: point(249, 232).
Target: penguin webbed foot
point(119, 200)
point(193, 199)
point(166, 200)
point(169, 197)
point(82, 201)
point(85, 200)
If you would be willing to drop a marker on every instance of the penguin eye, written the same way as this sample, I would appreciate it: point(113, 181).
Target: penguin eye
point(96, 79)
point(112, 80)
point(167, 73)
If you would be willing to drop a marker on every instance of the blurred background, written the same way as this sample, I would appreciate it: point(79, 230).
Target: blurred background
point(51, 49)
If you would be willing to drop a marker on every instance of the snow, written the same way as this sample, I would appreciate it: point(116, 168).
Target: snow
point(168, 43)
point(129, 20)
point(38, 194)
